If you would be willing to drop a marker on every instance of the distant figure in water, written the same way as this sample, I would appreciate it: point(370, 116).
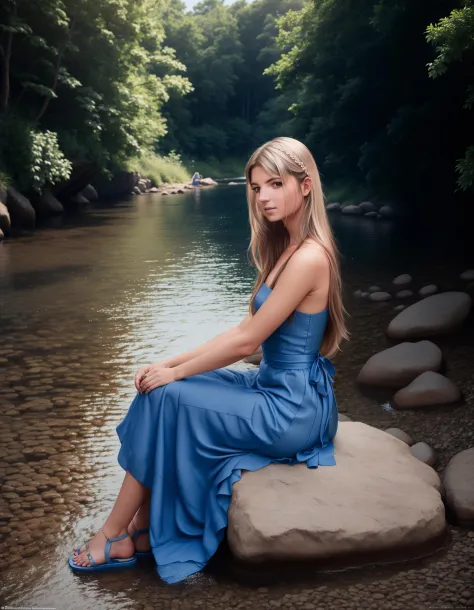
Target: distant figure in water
point(194, 425)
point(196, 179)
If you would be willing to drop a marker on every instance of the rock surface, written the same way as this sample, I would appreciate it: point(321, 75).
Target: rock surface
point(377, 498)
point(436, 315)
point(21, 211)
point(398, 366)
point(401, 435)
point(428, 389)
point(458, 480)
point(380, 296)
point(403, 279)
point(424, 453)
point(351, 210)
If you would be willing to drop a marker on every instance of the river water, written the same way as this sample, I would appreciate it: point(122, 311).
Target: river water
point(88, 298)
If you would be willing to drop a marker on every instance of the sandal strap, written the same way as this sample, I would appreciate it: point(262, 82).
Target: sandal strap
point(108, 544)
point(89, 556)
point(143, 530)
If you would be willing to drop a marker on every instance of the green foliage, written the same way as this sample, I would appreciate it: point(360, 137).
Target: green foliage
point(48, 163)
point(160, 169)
point(362, 99)
point(453, 38)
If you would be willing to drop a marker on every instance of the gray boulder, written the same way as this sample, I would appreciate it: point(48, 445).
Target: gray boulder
point(333, 207)
point(371, 214)
point(375, 289)
point(468, 275)
point(404, 294)
point(387, 211)
point(428, 290)
point(89, 193)
point(403, 279)
point(351, 210)
point(380, 296)
point(48, 205)
point(458, 480)
point(434, 316)
point(398, 366)
point(21, 211)
point(429, 389)
point(367, 206)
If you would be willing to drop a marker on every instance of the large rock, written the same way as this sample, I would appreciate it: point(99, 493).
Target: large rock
point(89, 193)
point(458, 480)
point(333, 207)
point(380, 296)
point(436, 315)
point(351, 210)
point(4, 218)
point(120, 184)
point(428, 389)
point(22, 213)
point(377, 498)
point(48, 205)
point(403, 279)
point(397, 366)
point(367, 206)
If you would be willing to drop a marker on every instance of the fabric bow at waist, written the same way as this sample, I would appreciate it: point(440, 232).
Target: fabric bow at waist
point(320, 375)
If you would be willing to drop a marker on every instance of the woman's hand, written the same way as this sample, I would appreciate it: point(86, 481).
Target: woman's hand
point(144, 371)
point(153, 376)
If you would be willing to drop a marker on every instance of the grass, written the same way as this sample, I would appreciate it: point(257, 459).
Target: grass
point(160, 170)
point(229, 167)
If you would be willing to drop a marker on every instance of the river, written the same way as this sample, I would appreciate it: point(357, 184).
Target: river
point(87, 298)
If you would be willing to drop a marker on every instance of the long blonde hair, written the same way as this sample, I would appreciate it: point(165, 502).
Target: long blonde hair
point(283, 157)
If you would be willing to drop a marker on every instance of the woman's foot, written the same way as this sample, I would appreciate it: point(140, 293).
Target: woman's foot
point(142, 540)
point(121, 549)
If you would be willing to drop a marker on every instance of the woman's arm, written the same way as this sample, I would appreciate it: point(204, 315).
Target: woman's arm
point(228, 335)
point(295, 282)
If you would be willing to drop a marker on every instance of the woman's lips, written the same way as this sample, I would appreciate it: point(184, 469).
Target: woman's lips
point(270, 210)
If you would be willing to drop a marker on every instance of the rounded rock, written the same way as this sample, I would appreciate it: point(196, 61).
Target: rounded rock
point(398, 366)
point(401, 435)
point(380, 296)
point(428, 290)
point(458, 480)
point(403, 279)
point(424, 453)
point(436, 315)
point(429, 389)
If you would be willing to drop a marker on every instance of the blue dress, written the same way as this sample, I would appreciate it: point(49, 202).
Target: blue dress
point(190, 440)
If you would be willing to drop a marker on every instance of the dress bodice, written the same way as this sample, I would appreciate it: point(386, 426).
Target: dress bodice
point(299, 336)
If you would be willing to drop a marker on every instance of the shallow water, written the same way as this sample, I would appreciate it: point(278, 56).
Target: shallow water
point(88, 298)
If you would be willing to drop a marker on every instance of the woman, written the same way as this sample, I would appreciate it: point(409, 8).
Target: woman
point(194, 426)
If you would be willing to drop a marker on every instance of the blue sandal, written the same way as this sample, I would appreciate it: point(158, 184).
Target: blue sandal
point(136, 533)
point(109, 563)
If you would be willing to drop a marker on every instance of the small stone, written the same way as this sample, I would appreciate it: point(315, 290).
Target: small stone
point(428, 290)
point(424, 453)
point(400, 434)
point(374, 289)
point(380, 296)
point(468, 275)
point(401, 280)
point(404, 294)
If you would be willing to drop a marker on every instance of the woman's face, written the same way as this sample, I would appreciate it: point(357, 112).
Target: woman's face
point(276, 201)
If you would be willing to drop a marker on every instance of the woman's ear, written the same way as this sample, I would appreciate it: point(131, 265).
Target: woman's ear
point(306, 186)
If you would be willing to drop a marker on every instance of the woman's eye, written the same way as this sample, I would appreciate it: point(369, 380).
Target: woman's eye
point(278, 184)
point(255, 189)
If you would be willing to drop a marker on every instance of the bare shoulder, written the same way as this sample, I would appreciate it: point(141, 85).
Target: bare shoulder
point(311, 256)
